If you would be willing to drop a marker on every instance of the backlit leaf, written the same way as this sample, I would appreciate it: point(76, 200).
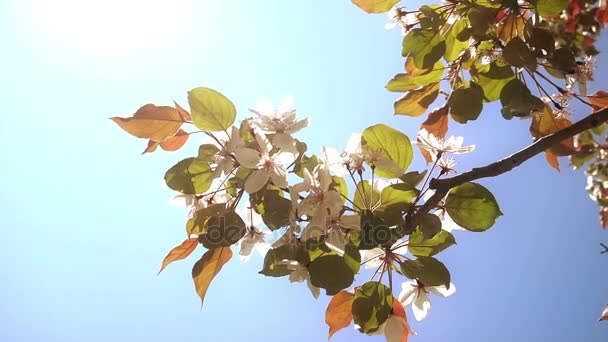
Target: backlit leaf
point(371, 306)
point(552, 159)
point(170, 144)
point(180, 252)
point(436, 124)
point(599, 100)
point(420, 246)
point(393, 148)
point(472, 207)
point(330, 272)
point(466, 103)
point(223, 230)
point(551, 7)
point(152, 122)
point(417, 101)
point(211, 111)
point(208, 267)
point(428, 270)
point(190, 176)
point(375, 6)
point(426, 46)
point(518, 54)
point(339, 313)
point(548, 123)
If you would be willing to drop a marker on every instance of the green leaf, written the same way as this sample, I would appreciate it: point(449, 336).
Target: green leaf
point(426, 46)
point(375, 6)
point(273, 260)
point(211, 111)
point(202, 215)
point(412, 179)
point(372, 305)
point(207, 153)
point(419, 246)
point(393, 194)
point(493, 81)
point(429, 225)
point(517, 100)
point(417, 101)
point(472, 207)
point(481, 18)
point(428, 270)
point(540, 40)
point(466, 103)
point(406, 82)
point(518, 54)
point(563, 59)
point(394, 149)
point(352, 257)
point(551, 7)
point(457, 40)
point(189, 176)
point(330, 272)
point(364, 194)
point(374, 231)
point(276, 210)
point(223, 230)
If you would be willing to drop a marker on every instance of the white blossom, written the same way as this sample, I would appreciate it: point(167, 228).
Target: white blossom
point(265, 166)
point(437, 146)
point(583, 73)
point(299, 274)
point(254, 239)
point(281, 122)
point(416, 293)
point(375, 257)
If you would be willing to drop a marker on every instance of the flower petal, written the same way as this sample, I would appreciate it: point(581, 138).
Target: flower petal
point(247, 157)
point(421, 305)
point(408, 293)
point(256, 180)
point(442, 291)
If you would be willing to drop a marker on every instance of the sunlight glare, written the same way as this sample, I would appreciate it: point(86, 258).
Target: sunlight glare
point(111, 26)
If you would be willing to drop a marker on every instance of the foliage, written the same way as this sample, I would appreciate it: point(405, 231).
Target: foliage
point(364, 206)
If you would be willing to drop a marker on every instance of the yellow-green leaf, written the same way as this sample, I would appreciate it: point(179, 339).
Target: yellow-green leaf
point(211, 111)
point(472, 207)
point(391, 148)
point(152, 122)
point(208, 267)
point(375, 6)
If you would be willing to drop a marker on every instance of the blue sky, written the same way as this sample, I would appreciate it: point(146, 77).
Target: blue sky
point(85, 222)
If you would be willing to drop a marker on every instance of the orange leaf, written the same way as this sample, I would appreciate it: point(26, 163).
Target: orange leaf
point(175, 142)
point(599, 100)
point(184, 113)
point(152, 145)
point(552, 159)
point(208, 267)
point(152, 122)
point(512, 26)
point(399, 311)
point(604, 218)
point(339, 312)
point(180, 252)
point(436, 124)
point(547, 123)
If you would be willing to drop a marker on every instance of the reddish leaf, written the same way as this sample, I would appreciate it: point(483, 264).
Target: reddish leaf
point(599, 100)
point(399, 311)
point(339, 312)
point(171, 144)
point(208, 267)
point(604, 218)
point(180, 252)
point(552, 159)
point(152, 145)
point(175, 142)
point(547, 123)
point(602, 16)
point(184, 113)
point(152, 122)
point(375, 6)
point(436, 124)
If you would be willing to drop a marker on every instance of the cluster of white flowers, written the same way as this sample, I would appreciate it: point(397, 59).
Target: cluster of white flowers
point(265, 147)
point(399, 17)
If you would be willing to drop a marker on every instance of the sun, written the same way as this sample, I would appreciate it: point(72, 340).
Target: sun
point(110, 26)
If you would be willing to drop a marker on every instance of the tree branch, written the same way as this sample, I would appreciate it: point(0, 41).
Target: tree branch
point(443, 186)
